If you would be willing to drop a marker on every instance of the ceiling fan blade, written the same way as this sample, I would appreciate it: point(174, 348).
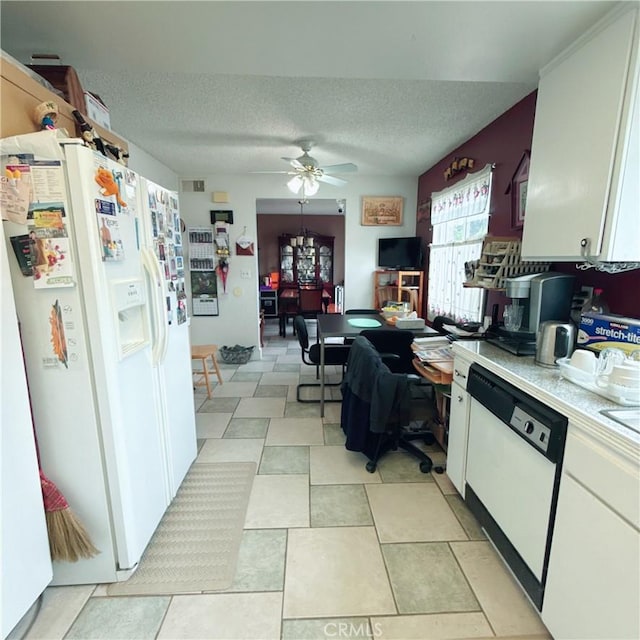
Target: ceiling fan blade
point(294, 162)
point(337, 182)
point(347, 167)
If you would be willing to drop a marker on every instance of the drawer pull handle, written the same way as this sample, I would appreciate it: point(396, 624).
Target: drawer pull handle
point(459, 374)
point(460, 398)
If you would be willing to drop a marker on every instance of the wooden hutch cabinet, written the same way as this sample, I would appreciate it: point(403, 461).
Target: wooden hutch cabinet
point(310, 263)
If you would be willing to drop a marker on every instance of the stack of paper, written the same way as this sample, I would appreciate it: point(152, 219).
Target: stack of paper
point(432, 341)
point(439, 354)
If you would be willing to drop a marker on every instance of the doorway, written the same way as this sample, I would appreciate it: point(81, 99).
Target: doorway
point(279, 218)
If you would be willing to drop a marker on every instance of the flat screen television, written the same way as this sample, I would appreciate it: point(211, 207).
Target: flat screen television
point(400, 253)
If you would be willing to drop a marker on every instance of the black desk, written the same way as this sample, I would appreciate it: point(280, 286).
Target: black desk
point(334, 325)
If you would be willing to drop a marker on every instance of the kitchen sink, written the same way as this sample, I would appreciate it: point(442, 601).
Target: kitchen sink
point(630, 418)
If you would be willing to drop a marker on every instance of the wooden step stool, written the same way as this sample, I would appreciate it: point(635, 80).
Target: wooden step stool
point(202, 352)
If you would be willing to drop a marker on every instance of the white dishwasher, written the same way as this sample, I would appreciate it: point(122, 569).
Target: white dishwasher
point(514, 460)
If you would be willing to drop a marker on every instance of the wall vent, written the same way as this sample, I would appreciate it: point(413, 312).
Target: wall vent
point(192, 186)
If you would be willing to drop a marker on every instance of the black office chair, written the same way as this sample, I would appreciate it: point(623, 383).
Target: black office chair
point(361, 312)
point(378, 406)
point(394, 346)
point(438, 323)
point(334, 354)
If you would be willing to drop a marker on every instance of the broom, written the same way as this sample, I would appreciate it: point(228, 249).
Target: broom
point(68, 539)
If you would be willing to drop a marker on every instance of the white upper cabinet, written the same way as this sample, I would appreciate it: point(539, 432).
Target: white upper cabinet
point(583, 196)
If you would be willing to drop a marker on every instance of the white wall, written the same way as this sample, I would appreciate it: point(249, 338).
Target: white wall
point(239, 307)
point(146, 165)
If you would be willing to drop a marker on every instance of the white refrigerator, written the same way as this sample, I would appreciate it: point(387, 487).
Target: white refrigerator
point(25, 564)
point(107, 353)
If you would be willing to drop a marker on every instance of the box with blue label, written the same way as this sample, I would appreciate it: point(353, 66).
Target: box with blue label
point(600, 331)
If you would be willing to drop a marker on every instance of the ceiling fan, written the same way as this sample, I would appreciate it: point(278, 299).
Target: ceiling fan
point(307, 173)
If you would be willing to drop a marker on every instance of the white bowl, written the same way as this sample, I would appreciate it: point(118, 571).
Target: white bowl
point(628, 394)
point(625, 376)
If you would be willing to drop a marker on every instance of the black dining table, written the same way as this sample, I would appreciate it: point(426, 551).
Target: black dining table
point(336, 325)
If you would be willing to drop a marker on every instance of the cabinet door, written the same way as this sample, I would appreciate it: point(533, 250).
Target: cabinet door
point(593, 585)
point(286, 264)
point(458, 435)
point(581, 123)
point(325, 259)
point(305, 263)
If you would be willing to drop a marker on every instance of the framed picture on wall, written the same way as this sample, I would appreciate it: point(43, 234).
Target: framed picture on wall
point(518, 190)
point(382, 210)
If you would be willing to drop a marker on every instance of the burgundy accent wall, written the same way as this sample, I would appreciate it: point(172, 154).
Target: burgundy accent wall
point(502, 143)
point(620, 290)
point(271, 226)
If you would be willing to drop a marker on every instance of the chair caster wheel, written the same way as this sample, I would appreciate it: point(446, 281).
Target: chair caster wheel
point(425, 466)
point(439, 470)
point(370, 467)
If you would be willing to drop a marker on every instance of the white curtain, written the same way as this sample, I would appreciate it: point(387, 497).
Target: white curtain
point(460, 220)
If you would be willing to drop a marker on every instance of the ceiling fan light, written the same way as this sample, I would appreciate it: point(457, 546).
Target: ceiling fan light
point(311, 186)
point(294, 184)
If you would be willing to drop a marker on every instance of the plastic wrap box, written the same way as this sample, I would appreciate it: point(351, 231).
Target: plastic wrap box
point(600, 331)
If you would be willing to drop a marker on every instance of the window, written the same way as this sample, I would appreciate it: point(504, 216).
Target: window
point(460, 220)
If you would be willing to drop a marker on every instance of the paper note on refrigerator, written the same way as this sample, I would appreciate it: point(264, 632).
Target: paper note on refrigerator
point(50, 257)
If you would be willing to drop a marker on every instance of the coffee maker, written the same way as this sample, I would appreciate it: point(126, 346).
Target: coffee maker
point(543, 296)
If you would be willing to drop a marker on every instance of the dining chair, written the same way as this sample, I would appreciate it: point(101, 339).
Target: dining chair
point(335, 354)
point(310, 301)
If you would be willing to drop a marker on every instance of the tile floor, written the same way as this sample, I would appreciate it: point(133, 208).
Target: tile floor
point(328, 550)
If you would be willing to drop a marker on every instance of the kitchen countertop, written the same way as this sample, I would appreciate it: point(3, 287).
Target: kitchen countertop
point(580, 406)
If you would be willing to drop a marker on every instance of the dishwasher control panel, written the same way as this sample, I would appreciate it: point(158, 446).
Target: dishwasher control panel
point(530, 428)
point(539, 425)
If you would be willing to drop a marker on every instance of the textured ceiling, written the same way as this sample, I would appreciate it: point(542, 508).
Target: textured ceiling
point(230, 87)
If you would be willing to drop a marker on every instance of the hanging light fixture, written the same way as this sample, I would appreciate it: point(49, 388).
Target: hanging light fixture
point(305, 237)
